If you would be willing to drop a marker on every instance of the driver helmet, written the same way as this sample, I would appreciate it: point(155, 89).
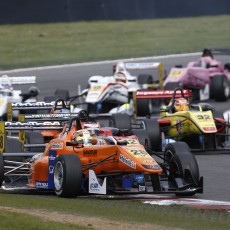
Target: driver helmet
point(181, 104)
point(120, 77)
point(82, 137)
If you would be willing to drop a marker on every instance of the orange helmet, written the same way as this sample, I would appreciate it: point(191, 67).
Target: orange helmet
point(181, 104)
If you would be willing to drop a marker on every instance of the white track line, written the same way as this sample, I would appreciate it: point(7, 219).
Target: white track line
point(97, 63)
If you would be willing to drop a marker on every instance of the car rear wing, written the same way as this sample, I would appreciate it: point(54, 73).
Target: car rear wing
point(144, 65)
point(20, 80)
point(157, 94)
point(47, 116)
point(22, 126)
point(26, 106)
point(151, 94)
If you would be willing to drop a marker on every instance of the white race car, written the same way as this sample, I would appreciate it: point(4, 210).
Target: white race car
point(9, 95)
point(108, 92)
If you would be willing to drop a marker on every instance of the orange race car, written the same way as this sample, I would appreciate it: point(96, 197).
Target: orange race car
point(78, 163)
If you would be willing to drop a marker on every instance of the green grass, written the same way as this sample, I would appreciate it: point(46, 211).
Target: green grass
point(31, 45)
point(119, 210)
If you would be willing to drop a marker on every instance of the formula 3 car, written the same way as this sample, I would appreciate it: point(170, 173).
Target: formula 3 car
point(8, 94)
point(107, 92)
point(206, 77)
point(72, 165)
point(199, 125)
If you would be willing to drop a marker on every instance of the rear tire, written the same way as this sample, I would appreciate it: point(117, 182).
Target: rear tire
point(120, 121)
point(153, 129)
point(144, 107)
point(144, 79)
point(67, 175)
point(220, 87)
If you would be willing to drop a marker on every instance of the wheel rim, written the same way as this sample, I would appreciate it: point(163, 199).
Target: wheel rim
point(58, 176)
point(168, 156)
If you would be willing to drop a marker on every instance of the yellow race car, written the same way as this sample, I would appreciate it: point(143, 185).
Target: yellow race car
point(199, 125)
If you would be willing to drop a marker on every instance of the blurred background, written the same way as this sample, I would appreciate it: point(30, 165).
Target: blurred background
point(43, 11)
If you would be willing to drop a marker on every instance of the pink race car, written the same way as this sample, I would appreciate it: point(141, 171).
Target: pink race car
point(206, 77)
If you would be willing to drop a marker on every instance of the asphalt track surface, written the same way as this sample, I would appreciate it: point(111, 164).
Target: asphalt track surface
point(214, 167)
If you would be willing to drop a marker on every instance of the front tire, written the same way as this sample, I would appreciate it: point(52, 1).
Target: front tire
point(67, 175)
point(182, 164)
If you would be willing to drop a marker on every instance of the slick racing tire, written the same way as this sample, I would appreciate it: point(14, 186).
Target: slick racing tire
point(220, 88)
point(144, 79)
point(67, 175)
point(144, 107)
point(153, 129)
point(1, 170)
point(182, 164)
point(120, 121)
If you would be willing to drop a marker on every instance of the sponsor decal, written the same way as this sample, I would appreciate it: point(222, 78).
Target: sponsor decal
point(32, 123)
point(141, 188)
point(175, 73)
point(33, 104)
point(51, 163)
point(86, 152)
point(96, 87)
point(41, 184)
point(57, 145)
point(148, 161)
point(54, 115)
point(144, 65)
point(94, 186)
point(127, 161)
point(209, 129)
point(160, 93)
